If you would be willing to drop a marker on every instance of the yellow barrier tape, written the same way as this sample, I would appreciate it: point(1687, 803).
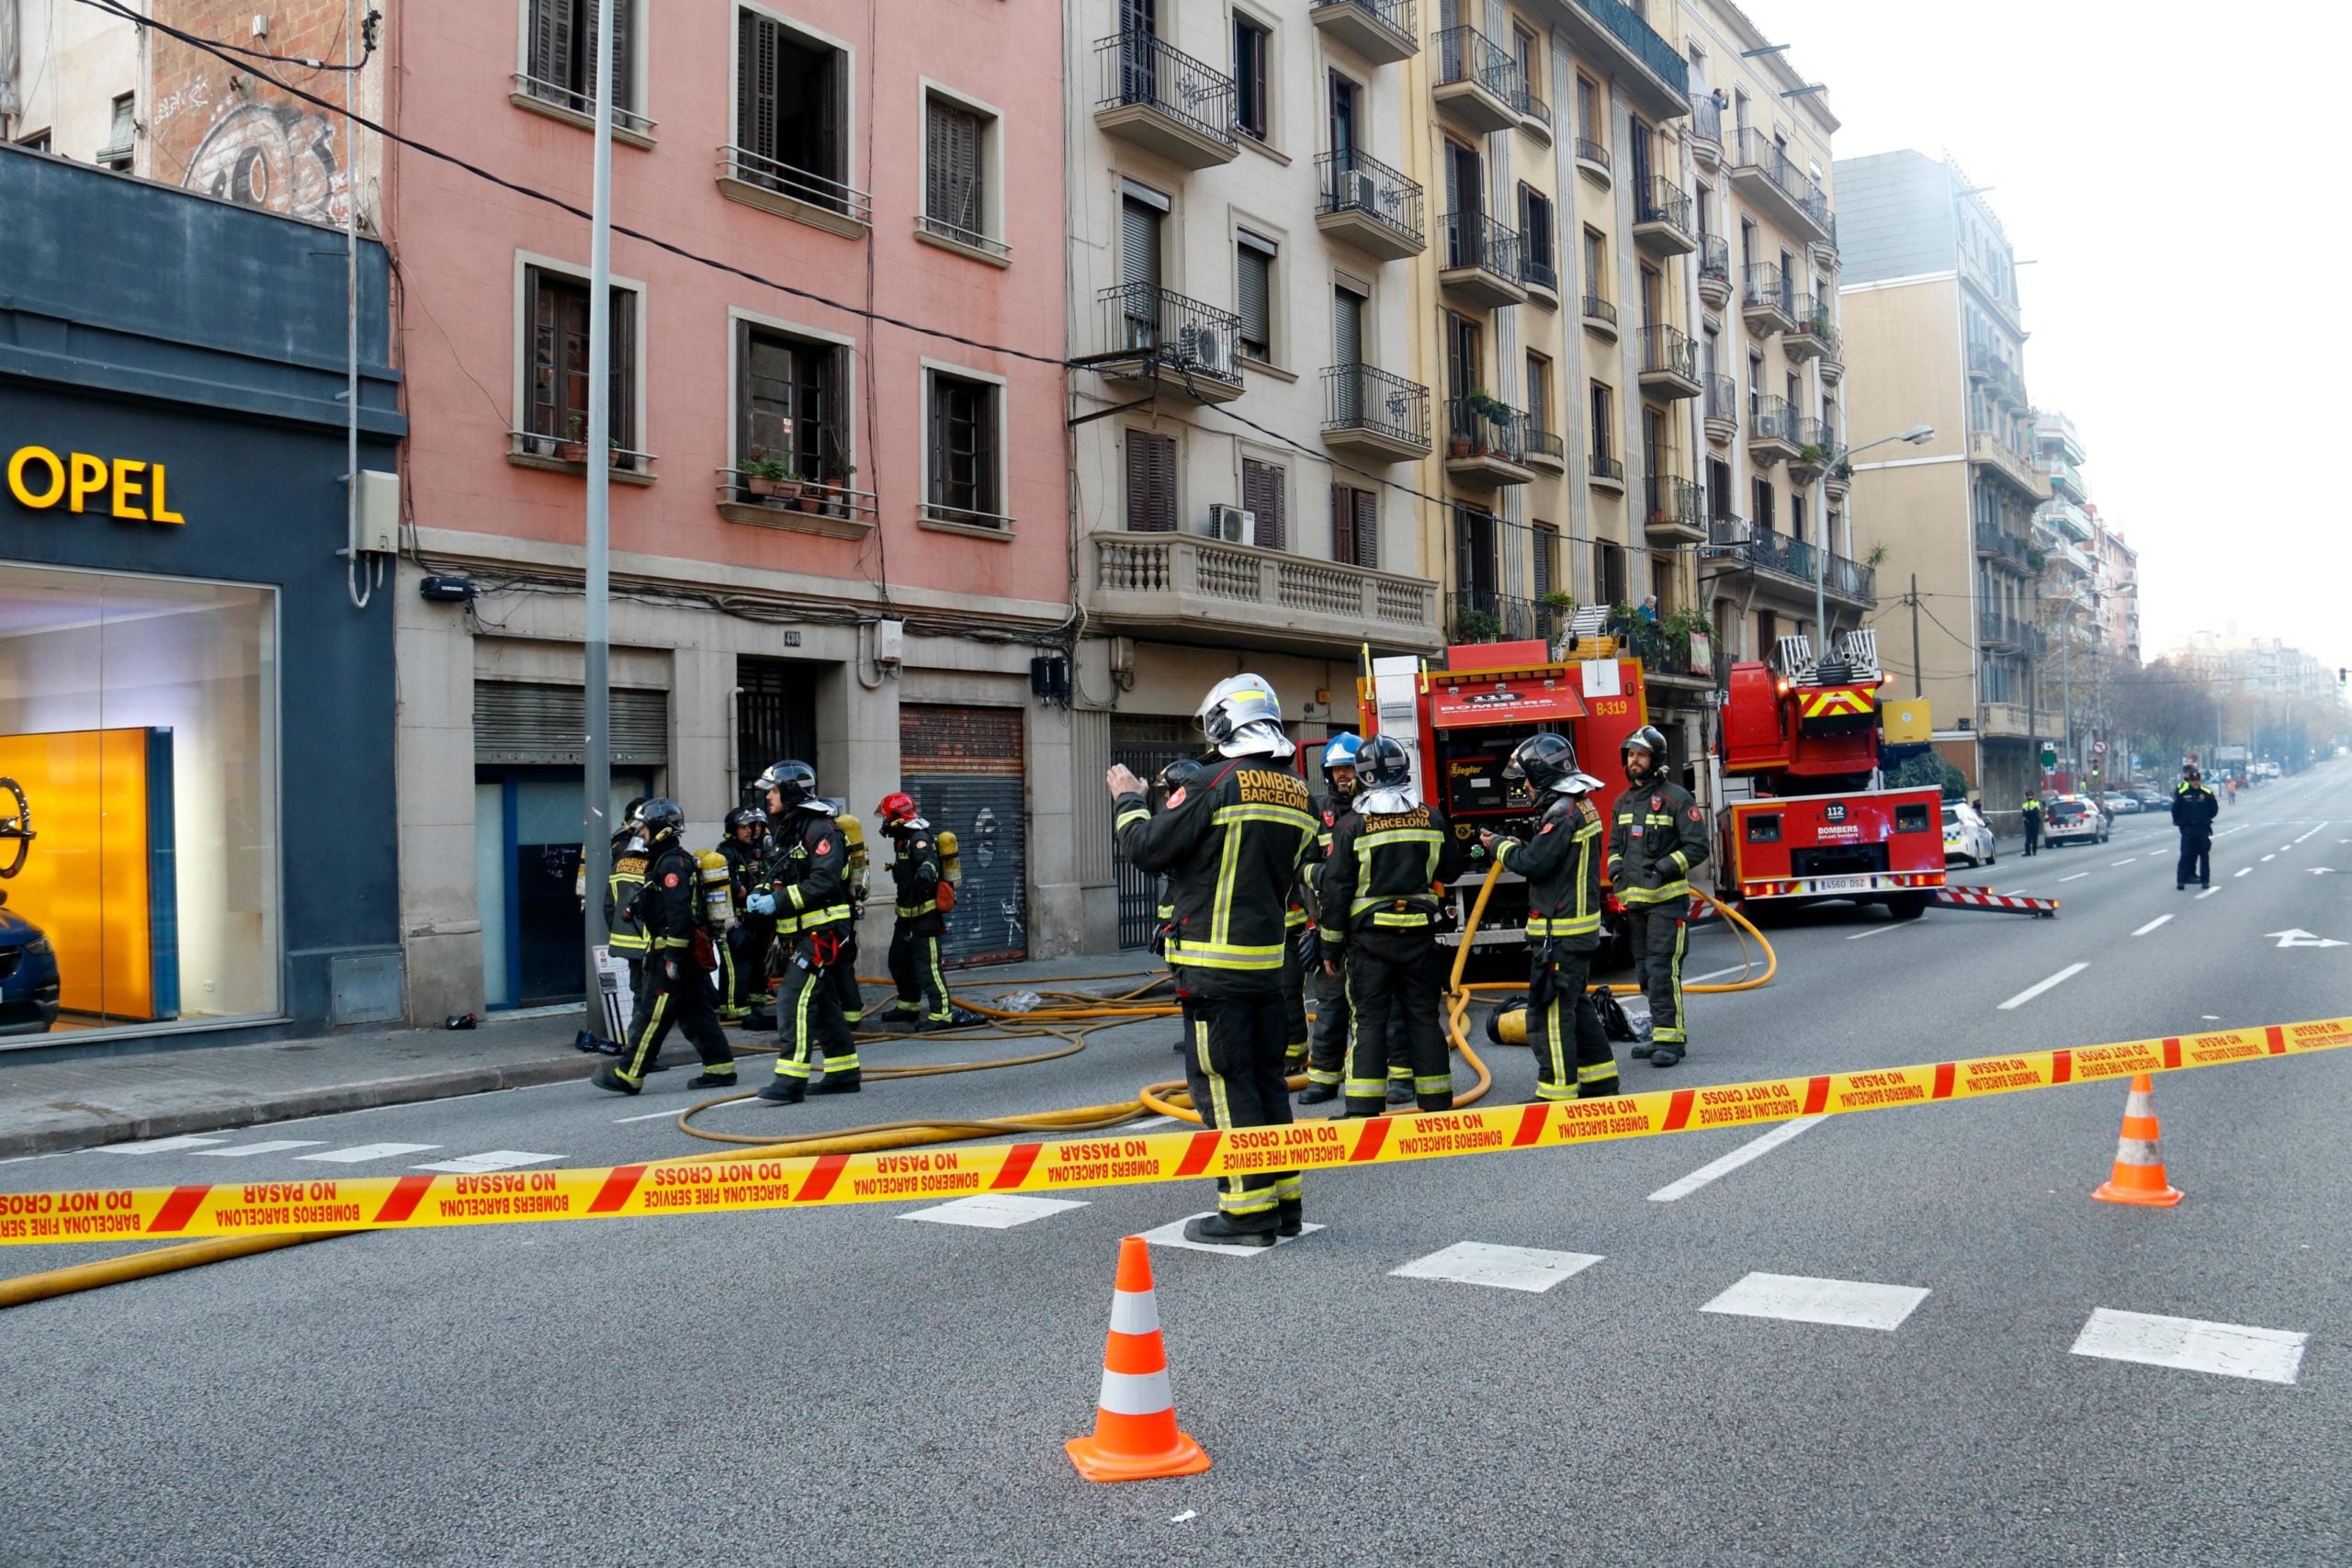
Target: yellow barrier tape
point(1107, 1159)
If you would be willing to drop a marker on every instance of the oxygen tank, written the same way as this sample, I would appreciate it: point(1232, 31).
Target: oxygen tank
point(951, 870)
point(717, 890)
point(853, 842)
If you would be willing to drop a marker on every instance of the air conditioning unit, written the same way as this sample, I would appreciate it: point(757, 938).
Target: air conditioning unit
point(1206, 346)
point(1232, 524)
point(1359, 190)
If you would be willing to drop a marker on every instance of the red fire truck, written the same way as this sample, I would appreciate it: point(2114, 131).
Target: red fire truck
point(1461, 718)
point(1804, 735)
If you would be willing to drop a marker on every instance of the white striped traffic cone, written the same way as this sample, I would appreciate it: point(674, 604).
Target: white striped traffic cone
point(1135, 1437)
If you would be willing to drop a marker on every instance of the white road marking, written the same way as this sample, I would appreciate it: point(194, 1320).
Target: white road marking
point(2189, 1345)
point(2033, 991)
point(994, 1211)
point(1717, 974)
point(649, 1116)
point(272, 1146)
point(2242, 871)
point(359, 1152)
point(1844, 1303)
point(1170, 1121)
point(495, 1159)
point(2076, 877)
point(1878, 931)
point(158, 1146)
point(1752, 1149)
point(2266, 857)
point(1528, 1268)
point(2152, 925)
point(2209, 893)
point(1172, 1234)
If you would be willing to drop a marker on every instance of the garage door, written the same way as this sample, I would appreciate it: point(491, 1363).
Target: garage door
point(964, 767)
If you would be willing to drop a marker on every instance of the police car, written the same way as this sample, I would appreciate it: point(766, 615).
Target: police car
point(1967, 836)
point(2072, 820)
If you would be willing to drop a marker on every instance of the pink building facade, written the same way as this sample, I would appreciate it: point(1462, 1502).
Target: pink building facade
point(832, 538)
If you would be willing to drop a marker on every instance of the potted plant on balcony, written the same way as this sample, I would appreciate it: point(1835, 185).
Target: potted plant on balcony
point(573, 447)
point(617, 456)
point(770, 477)
point(1477, 626)
point(1877, 556)
point(838, 499)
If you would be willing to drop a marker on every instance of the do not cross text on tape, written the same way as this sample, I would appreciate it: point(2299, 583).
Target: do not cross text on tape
point(1102, 1159)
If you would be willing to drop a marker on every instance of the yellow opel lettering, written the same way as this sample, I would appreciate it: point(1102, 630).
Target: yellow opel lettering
point(25, 457)
point(127, 488)
point(157, 510)
point(88, 476)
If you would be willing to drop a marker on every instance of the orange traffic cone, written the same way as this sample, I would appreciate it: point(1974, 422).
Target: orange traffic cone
point(1134, 1419)
point(2139, 1155)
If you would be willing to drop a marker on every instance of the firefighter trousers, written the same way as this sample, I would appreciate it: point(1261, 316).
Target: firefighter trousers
point(1327, 1057)
point(914, 969)
point(842, 972)
point(751, 942)
point(2196, 861)
point(1564, 1028)
point(809, 1023)
point(1661, 935)
point(673, 990)
point(1396, 977)
point(1298, 950)
point(1233, 1064)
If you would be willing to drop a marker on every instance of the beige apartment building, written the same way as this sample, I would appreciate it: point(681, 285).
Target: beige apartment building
point(1929, 296)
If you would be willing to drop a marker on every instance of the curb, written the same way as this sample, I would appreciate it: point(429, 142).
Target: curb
point(365, 1096)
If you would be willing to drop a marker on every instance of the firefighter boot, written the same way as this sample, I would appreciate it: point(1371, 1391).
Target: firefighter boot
point(711, 1080)
point(1216, 1230)
point(783, 1090)
point(844, 1082)
point(1290, 1217)
point(610, 1078)
point(1316, 1093)
point(1664, 1055)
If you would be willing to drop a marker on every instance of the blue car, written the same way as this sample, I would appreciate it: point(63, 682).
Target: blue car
point(27, 976)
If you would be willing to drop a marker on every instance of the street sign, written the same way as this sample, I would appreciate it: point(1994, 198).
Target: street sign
point(2302, 939)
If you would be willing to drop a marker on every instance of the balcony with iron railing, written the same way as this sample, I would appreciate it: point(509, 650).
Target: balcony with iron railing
point(1997, 456)
point(2002, 548)
point(558, 100)
point(1599, 317)
point(1767, 303)
point(1477, 85)
point(1772, 429)
point(1819, 449)
point(1668, 653)
point(1722, 409)
point(1706, 130)
point(1714, 271)
point(1644, 66)
point(2067, 518)
point(1763, 173)
point(1605, 472)
point(1809, 333)
point(1669, 364)
point(1188, 588)
point(1369, 411)
point(1479, 261)
point(788, 191)
point(1536, 271)
point(1157, 334)
point(1593, 161)
point(1849, 580)
point(1382, 31)
point(1545, 448)
point(1675, 512)
point(1534, 114)
point(2066, 479)
point(2006, 381)
point(1662, 224)
point(1485, 443)
point(1369, 205)
point(1155, 97)
point(1479, 615)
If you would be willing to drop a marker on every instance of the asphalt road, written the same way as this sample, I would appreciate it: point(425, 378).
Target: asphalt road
point(853, 1386)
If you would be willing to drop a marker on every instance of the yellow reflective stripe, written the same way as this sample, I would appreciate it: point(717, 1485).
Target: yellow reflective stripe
point(1562, 925)
point(1593, 1072)
point(1131, 815)
point(1672, 890)
point(1389, 918)
point(1503, 848)
point(1364, 1089)
point(1294, 920)
point(1210, 956)
point(916, 911)
point(1287, 816)
point(1249, 1201)
point(1371, 842)
point(1221, 907)
point(1441, 1085)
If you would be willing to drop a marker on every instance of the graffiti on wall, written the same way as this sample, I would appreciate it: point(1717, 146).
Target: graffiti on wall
point(277, 157)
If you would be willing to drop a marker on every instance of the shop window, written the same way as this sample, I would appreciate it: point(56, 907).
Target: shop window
point(559, 58)
point(555, 407)
point(967, 471)
point(792, 403)
point(139, 717)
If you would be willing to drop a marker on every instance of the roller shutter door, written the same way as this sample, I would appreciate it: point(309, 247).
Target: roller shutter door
point(965, 768)
point(528, 723)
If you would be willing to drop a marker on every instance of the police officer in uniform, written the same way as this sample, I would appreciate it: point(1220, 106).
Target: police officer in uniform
point(2031, 812)
point(2193, 810)
point(674, 986)
point(805, 885)
point(916, 872)
point(1561, 861)
point(1230, 842)
point(1380, 913)
point(1659, 834)
point(748, 940)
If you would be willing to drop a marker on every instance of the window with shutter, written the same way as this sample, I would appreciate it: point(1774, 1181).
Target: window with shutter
point(556, 374)
point(790, 402)
point(1539, 392)
point(559, 55)
point(789, 112)
point(1255, 295)
point(953, 198)
point(963, 450)
point(1547, 559)
point(1151, 482)
point(1368, 529)
point(1263, 492)
point(1355, 526)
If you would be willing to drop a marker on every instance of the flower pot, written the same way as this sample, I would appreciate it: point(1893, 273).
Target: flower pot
point(784, 489)
point(539, 446)
point(1459, 447)
point(572, 451)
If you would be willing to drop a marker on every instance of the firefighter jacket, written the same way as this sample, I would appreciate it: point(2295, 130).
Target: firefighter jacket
point(1330, 812)
point(621, 887)
point(1383, 872)
point(744, 863)
point(1230, 844)
point(915, 873)
point(2193, 810)
point(807, 870)
point(1659, 834)
point(1562, 864)
point(667, 905)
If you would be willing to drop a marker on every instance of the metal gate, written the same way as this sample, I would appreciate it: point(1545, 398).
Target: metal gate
point(1146, 746)
point(964, 767)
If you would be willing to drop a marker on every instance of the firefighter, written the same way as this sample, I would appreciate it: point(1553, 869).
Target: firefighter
point(2193, 810)
point(748, 940)
point(804, 883)
point(916, 870)
point(1230, 842)
point(855, 871)
point(2031, 812)
point(1659, 834)
point(1380, 913)
point(674, 985)
point(1328, 1050)
point(1561, 861)
point(1172, 777)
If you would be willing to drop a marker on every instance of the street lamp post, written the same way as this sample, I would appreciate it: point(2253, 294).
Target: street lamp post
point(1917, 435)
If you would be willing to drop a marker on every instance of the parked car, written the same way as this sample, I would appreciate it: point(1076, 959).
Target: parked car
point(2072, 819)
point(2152, 798)
point(1967, 836)
point(29, 980)
point(2121, 803)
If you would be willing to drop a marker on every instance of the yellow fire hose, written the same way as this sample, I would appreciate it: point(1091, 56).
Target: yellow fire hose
point(1080, 1015)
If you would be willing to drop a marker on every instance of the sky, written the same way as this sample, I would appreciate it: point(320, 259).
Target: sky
point(2169, 177)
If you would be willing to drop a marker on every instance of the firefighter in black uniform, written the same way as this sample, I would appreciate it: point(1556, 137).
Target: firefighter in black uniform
point(805, 885)
point(749, 938)
point(675, 986)
point(1328, 1051)
point(1230, 842)
point(1380, 913)
point(1659, 834)
point(2193, 810)
point(916, 872)
point(1561, 861)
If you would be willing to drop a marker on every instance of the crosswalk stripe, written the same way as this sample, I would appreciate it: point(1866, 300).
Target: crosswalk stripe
point(1842, 1303)
point(158, 1146)
point(361, 1152)
point(1529, 1269)
point(495, 1159)
point(268, 1147)
point(2189, 1345)
point(993, 1211)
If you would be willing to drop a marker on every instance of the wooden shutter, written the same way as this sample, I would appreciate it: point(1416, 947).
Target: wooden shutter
point(951, 180)
point(758, 39)
point(1346, 327)
point(1151, 482)
point(551, 48)
point(1257, 309)
point(831, 152)
point(1343, 524)
point(938, 194)
point(624, 53)
point(624, 370)
point(1367, 508)
point(1261, 492)
point(1547, 556)
point(984, 496)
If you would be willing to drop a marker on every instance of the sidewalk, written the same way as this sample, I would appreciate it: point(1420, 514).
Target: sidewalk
point(49, 1106)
